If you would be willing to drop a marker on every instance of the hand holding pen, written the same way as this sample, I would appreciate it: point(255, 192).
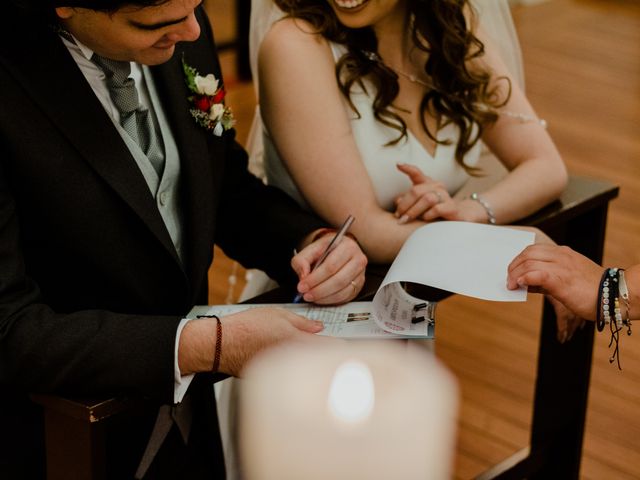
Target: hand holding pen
point(343, 276)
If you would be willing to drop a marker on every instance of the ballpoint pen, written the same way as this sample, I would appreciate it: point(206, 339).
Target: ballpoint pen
point(334, 242)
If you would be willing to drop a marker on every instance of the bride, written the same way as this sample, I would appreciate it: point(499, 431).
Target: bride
point(395, 141)
point(380, 108)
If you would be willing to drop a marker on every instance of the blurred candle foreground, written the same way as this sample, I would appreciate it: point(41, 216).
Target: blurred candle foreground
point(347, 410)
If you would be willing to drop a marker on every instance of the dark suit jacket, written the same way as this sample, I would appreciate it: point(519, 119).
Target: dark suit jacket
point(91, 289)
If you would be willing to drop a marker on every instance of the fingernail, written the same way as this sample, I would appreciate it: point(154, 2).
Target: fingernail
point(319, 324)
point(302, 287)
point(308, 297)
point(403, 219)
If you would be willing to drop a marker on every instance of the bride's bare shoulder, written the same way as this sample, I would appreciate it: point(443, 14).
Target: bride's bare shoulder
point(294, 32)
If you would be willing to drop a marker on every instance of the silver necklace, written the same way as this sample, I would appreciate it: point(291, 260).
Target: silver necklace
point(410, 77)
point(374, 57)
point(520, 117)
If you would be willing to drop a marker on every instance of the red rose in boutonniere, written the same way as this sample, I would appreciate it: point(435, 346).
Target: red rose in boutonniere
point(209, 109)
point(218, 97)
point(202, 102)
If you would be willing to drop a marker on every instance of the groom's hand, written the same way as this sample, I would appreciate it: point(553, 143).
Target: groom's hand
point(338, 279)
point(243, 335)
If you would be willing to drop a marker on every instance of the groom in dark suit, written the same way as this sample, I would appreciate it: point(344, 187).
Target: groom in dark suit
point(117, 176)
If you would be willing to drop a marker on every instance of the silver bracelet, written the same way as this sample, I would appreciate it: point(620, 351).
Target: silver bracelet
point(524, 118)
point(486, 206)
point(521, 117)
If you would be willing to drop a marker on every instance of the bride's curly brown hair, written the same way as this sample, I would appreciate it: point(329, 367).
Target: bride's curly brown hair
point(457, 93)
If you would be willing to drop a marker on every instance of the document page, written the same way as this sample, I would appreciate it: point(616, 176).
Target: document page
point(460, 257)
point(351, 320)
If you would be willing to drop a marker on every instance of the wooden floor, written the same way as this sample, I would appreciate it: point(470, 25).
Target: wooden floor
point(582, 61)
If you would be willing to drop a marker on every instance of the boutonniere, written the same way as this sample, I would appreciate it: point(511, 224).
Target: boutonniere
point(208, 108)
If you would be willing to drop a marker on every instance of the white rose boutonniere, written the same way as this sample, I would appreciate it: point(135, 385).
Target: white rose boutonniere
point(208, 108)
point(206, 85)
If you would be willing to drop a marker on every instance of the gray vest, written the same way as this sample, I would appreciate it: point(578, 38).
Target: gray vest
point(165, 190)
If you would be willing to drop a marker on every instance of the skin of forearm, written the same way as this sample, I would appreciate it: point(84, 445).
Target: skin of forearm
point(196, 348)
point(507, 199)
point(381, 236)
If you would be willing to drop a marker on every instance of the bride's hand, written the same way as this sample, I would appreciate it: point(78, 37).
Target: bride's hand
point(429, 200)
point(426, 200)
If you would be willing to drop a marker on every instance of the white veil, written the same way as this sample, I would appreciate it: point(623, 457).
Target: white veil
point(494, 19)
point(264, 13)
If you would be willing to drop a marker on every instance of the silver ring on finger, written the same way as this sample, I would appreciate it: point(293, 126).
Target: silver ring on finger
point(438, 196)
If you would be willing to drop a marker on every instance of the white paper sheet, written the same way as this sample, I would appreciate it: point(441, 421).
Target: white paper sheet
point(466, 258)
point(460, 257)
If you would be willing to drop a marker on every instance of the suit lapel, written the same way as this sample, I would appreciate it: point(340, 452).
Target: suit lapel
point(51, 77)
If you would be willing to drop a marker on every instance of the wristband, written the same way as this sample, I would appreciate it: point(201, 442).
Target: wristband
point(216, 357)
point(491, 216)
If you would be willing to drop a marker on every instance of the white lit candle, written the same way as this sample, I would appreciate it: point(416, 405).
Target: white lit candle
point(347, 410)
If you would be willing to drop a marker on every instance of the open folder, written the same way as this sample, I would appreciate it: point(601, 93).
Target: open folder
point(460, 257)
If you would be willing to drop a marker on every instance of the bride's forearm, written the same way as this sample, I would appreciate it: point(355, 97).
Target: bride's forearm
point(381, 236)
point(529, 187)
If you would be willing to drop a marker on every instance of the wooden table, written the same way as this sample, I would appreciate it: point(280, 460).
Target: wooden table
point(75, 428)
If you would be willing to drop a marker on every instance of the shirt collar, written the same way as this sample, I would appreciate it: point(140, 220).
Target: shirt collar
point(77, 45)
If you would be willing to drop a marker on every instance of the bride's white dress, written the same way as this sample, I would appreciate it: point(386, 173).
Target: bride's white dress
point(380, 160)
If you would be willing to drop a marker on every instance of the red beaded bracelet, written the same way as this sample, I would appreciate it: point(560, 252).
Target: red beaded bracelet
point(216, 357)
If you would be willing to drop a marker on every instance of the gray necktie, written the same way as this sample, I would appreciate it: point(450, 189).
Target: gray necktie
point(135, 119)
